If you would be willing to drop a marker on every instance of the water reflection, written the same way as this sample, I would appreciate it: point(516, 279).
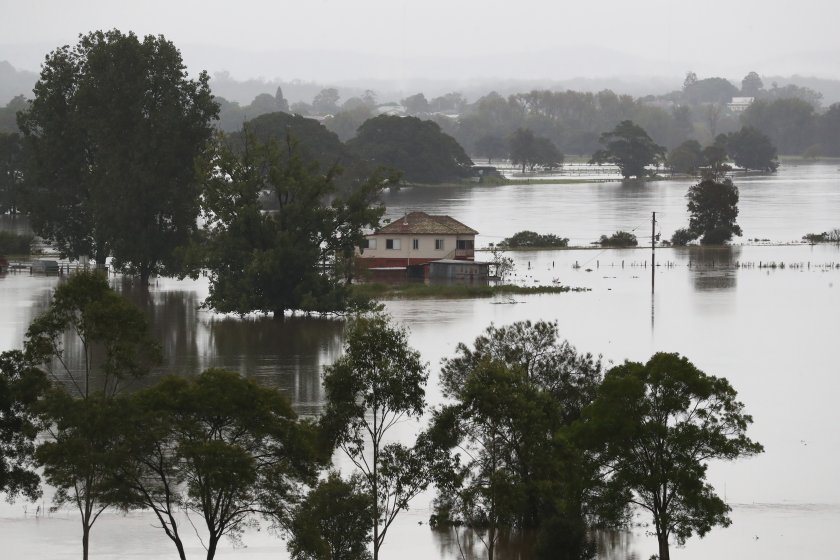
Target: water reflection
point(714, 268)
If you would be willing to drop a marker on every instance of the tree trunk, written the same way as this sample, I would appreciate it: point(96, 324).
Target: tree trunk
point(211, 547)
point(145, 273)
point(279, 314)
point(664, 553)
point(85, 540)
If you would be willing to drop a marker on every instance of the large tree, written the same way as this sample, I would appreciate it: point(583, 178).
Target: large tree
point(527, 149)
point(513, 394)
point(111, 138)
point(713, 210)
point(11, 172)
point(108, 344)
point(377, 383)
point(750, 149)
point(630, 148)
point(658, 425)
point(417, 148)
point(273, 262)
point(219, 446)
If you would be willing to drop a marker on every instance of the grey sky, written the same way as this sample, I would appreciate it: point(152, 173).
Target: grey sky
point(323, 39)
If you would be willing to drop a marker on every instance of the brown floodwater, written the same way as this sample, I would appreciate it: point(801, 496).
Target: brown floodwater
point(772, 331)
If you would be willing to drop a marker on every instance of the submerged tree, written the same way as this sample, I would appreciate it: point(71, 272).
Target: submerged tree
point(111, 138)
point(713, 210)
point(657, 426)
point(274, 261)
point(630, 148)
point(219, 446)
point(377, 383)
point(514, 394)
point(108, 344)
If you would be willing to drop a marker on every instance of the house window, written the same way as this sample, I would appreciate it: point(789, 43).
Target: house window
point(368, 244)
point(415, 244)
point(392, 244)
point(465, 244)
point(438, 244)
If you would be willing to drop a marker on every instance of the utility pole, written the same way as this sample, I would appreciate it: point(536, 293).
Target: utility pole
point(653, 253)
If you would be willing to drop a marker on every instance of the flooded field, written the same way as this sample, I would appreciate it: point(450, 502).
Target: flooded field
point(771, 331)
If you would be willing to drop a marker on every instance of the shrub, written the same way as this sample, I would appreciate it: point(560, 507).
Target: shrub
point(533, 239)
point(619, 239)
point(682, 237)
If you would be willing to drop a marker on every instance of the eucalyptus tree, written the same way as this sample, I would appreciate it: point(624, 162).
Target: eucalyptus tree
point(657, 426)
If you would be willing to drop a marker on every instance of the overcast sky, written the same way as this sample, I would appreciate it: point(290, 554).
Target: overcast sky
point(323, 39)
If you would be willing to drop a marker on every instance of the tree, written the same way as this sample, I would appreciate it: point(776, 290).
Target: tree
point(219, 446)
point(326, 102)
point(378, 382)
point(751, 85)
point(513, 394)
point(491, 147)
point(21, 386)
point(630, 148)
point(11, 172)
point(658, 425)
point(526, 149)
point(713, 209)
point(750, 149)
point(709, 90)
point(788, 122)
point(281, 102)
point(415, 104)
point(79, 455)
point(416, 148)
point(686, 158)
point(619, 239)
point(111, 139)
point(332, 523)
point(272, 262)
point(829, 131)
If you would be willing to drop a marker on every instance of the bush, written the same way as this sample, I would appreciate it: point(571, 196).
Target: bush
point(14, 243)
point(619, 239)
point(813, 238)
point(682, 237)
point(533, 239)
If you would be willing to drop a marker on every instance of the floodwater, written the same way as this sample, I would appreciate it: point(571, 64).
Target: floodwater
point(735, 312)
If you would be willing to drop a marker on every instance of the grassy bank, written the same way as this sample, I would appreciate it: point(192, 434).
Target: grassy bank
point(454, 291)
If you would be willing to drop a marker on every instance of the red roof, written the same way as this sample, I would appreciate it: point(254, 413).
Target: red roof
point(418, 223)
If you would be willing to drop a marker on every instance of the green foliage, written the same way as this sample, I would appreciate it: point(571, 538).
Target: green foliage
point(346, 122)
point(532, 239)
point(378, 382)
point(21, 386)
point(750, 149)
point(313, 142)
point(491, 147)
point(11, 172)
point(713, 209)
point(326, 102)
point(111, 139)
point(417, 148)
point(709, 90)
point(529, 150)
point(686, 158)
point(751, 85)
point(682, 237)
point(272, 261)
point(15, 243)
point(619, 239)
point(219, 446)
point(789, 123)
point(630, 148)
point(657, 425)
point(332, 523)
point(512, 394)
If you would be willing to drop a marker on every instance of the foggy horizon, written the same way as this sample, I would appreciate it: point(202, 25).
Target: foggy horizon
point(401, 42)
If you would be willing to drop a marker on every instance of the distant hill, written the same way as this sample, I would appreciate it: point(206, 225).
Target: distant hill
point(15, 82)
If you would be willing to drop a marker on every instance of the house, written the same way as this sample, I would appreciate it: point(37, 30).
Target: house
point(740, 104)
point(416, 239)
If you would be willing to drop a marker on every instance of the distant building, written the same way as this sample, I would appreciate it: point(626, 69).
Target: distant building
point(415, 239)
point(740, 104)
